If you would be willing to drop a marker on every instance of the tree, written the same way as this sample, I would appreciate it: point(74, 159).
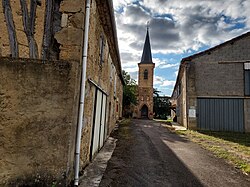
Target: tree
point(156, 92)
point(129, 93)
point(161, 105)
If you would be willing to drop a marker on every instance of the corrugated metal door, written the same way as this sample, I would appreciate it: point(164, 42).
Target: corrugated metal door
point(220, 114)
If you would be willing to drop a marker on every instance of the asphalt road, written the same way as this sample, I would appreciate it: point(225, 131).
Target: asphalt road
point(147, 154)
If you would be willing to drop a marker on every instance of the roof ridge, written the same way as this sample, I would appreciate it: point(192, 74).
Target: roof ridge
point(215, 47)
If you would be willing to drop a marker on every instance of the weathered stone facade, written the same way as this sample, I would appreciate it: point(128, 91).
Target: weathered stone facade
point(37, 118)
point(39, 99)
point(215, 73)
point(144, 108)
point(145, 89)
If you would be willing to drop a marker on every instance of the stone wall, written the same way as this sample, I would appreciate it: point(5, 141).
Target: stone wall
point(181, 101)
point(38, 116)
point(70, 37)
point(145, 89)
point(106, 75)
point(52, 88)
point(191, 94)
point(148, 82)
point(145, 98)
point(214, 79)
point(216, 76)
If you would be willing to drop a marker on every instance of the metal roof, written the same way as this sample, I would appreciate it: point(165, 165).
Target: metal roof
point(146, 55)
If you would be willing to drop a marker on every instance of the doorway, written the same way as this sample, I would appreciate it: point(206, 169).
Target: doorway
point(99, 123)
point(144, 111)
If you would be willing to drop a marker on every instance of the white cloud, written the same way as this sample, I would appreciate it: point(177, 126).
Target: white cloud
point(176, 26)
point(159, 62)
point(169, 66)
point(121, 3)
point(168, 83)
point(176, 73)
point(161, 81)
point(131, 69)
point(158, 80)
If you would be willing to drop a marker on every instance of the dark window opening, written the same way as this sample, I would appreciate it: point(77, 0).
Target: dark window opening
point(102, 46)
point(145, 74)
point(247, 82)
point(117, 108)
point(247, 78)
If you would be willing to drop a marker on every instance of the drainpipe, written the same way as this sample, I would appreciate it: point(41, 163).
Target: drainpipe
point(82, 96)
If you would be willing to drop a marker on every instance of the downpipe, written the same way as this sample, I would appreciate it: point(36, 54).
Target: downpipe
point(82, 92)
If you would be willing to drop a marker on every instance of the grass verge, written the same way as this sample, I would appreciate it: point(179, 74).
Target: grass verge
point(164, 120)
point(125, 121)
point(233, 147)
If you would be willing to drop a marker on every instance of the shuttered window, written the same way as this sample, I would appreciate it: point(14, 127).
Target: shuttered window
point(247, 78)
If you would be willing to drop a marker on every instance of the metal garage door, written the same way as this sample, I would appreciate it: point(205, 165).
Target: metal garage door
point(220, 114)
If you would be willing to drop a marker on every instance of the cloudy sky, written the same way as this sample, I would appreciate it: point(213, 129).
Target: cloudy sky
point(178, 28)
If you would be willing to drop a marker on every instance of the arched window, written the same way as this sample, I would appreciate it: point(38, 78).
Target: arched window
point(145, 74)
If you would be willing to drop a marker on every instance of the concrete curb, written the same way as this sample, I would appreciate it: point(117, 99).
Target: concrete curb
point(94, 171)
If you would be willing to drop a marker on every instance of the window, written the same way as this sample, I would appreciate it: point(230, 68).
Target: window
point(145, 74)
point(178, 89)
point(247, 78)
point(115, 75)
point(102, 47)
point(117, 107)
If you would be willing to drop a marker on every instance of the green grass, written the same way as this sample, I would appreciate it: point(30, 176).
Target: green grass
point(126, 121)
point(233, 147)
point(240, 138)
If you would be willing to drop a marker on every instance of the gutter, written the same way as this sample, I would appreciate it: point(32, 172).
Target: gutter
point(82, 94)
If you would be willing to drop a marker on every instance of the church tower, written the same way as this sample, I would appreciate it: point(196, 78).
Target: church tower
point(145, 82)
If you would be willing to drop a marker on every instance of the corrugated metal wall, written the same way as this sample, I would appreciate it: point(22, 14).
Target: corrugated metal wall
point(220, 114)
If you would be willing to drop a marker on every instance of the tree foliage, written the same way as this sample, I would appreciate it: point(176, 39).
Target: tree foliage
point(161, 105)
point(156, 92)
point(129, 90)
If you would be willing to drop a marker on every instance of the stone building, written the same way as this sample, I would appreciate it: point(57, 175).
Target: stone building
point(212, 91)
point(60, 90)
point(144, 108)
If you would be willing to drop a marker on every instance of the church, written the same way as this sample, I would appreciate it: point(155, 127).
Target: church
point(144, 107)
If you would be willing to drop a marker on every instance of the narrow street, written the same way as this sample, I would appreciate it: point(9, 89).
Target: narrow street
point(147, 154)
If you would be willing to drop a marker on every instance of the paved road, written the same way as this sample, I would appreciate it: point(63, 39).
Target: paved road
point(147, 154)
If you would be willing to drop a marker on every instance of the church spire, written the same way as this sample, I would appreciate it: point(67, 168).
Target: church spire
point(146, 55)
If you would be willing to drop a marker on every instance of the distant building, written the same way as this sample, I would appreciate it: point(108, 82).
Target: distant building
point(212, 91)
point(45, 137)
point(144, 108)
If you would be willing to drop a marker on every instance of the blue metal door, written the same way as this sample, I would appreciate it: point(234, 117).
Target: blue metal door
point(219, 114)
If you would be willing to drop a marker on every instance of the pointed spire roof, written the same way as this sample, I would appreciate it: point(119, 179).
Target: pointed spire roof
point(146, 55)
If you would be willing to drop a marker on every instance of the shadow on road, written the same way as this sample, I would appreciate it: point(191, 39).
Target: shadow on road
point(143, 159)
